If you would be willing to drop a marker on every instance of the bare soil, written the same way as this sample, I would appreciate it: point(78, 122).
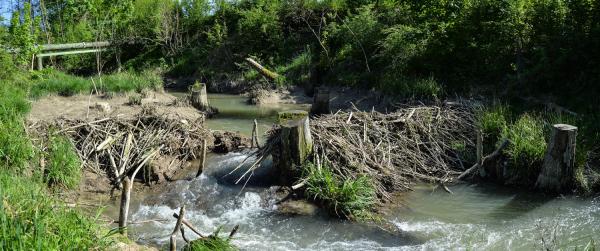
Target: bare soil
point(341, 98)
point(94, 106)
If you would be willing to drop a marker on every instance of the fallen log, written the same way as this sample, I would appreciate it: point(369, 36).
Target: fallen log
point(262, 70)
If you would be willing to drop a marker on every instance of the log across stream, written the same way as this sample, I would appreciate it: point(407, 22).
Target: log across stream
point(479, 217)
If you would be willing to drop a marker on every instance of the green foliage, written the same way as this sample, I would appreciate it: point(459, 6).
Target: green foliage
point(63, 167)
point(344, 197)
point(527, 142)
point(30, 219)
point(24, 31)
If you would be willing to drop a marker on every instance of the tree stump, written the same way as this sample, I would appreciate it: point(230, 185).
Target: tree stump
point(295, 147)
point(321, 102)
point(558, 171)
point(198, 97)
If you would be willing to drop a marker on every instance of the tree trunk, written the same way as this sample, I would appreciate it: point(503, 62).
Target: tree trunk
point(321, 102)
point(558, 171)
point(296, 145)
point(199, 98)
point(124, 208)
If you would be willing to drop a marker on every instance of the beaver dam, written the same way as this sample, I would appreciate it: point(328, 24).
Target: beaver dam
point(346, 180)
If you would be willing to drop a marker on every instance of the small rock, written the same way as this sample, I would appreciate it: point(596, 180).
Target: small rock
point(297, 207)
point(103, 106)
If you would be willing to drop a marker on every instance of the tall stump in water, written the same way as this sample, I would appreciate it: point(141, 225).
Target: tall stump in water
point(321, 102)
point(198, 96)
point(295, 147)
point(558, 171)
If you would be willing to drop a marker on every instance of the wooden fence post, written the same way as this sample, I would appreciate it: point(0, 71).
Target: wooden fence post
point(558, 171)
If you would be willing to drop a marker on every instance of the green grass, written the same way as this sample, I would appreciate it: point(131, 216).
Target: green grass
point(346, 198)
point(493, 122)
point(64, 166)
point(210, 243)
point(30, 219)
point(56, 82)
point(528, 141)
point(16, 149)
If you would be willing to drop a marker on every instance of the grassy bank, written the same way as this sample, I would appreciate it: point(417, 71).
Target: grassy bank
point(528, 129)
point(56, 82)
point(31, 217)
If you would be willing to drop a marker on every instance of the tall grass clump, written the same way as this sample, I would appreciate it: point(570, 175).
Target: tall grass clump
point(210, 243)
point(63, 163)
point(344, 197)
point(527, 144)
point(129, 81)
point(56, 82)
point(16, 148)
point(493, 122)
point(30, 219)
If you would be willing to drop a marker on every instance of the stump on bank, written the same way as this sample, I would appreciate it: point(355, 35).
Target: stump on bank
point(321, 102)
point(198, 97)
point(295, 147)
point(558, 171)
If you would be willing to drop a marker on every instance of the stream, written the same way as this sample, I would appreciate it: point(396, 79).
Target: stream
point(475, 217)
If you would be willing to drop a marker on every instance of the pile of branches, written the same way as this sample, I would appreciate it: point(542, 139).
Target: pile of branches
point(116, 146)
point(415, 143)
point(395, 149)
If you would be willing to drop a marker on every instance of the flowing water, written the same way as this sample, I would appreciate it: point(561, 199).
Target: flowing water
point(475, 217)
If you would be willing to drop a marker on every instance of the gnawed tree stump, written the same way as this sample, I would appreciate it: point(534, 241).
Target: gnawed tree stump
point(321, 102)
point(558, 171)
point(295, 147)
point(198, 97)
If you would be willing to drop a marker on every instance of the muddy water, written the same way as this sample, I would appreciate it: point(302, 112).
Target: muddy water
point(475, 217)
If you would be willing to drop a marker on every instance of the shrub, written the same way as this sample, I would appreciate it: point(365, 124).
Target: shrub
point(344, 197)
point(63, 163)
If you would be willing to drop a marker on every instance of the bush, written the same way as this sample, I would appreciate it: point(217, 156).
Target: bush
point(344, 197)
point(63, 163)
point(30, 219)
